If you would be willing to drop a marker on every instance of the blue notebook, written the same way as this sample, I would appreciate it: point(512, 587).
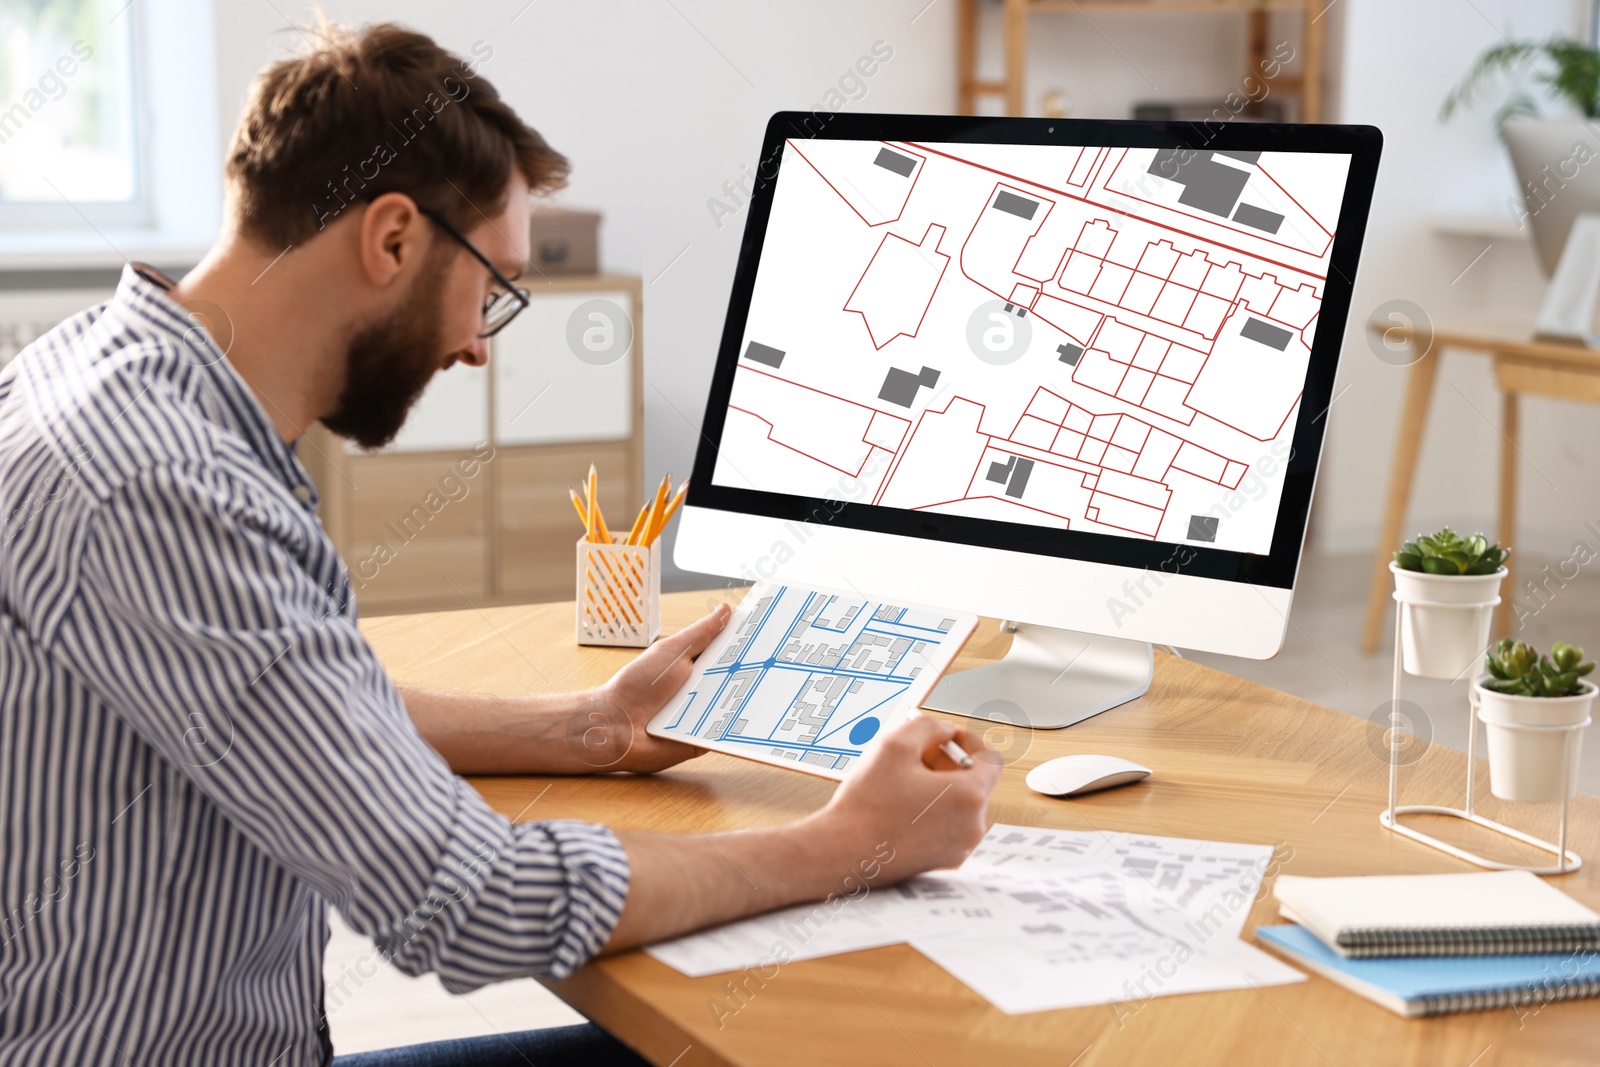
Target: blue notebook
point(1434, 985)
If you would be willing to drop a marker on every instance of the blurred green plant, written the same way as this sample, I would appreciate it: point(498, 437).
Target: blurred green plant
point(1518, 670)
point(1447, 552)
point(1569, 70)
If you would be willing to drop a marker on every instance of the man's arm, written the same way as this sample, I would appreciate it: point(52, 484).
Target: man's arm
point(482, 733)
point(587, 732)
point(907, 808)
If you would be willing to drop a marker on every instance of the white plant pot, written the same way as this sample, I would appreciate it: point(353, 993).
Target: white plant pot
point(1444, 620)
point(1530, 738)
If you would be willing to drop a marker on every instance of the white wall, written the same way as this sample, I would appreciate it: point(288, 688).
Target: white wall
point(1400, 61)
point(658, 104)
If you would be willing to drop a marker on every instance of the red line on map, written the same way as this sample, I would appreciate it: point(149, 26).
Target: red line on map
point(854, 474)
point(1104, 207)
point(790, 141)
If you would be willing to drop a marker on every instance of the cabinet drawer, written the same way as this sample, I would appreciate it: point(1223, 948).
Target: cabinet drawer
point(417, 527)
point(538, 527)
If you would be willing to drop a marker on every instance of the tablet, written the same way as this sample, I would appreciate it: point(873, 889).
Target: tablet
point(808, 678)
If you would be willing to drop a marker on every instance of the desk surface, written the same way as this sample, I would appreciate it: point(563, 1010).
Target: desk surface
point(1232, 760)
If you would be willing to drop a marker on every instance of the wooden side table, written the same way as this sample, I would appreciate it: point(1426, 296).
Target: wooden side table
point(1522, 367)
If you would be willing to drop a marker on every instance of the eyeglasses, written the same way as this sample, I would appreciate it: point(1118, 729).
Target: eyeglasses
point(502, 306)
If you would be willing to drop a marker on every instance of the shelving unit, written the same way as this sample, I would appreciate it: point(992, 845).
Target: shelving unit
point(1255, 13)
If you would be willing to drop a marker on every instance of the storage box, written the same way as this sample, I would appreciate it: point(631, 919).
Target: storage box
point(564, 240)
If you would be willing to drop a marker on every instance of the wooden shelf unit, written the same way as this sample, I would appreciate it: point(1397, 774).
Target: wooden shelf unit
point(1015, 14)
point(419, 533)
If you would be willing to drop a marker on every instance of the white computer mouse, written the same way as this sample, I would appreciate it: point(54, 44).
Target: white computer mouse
point(1070, 776)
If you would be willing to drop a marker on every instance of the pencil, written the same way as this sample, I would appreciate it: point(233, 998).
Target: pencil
point(657, 506)
point(677, 501)
point(594, 507)
point(583, 516)
point(638, 526)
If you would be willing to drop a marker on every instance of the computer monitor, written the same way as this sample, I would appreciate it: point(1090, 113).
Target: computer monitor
point(1072, 374)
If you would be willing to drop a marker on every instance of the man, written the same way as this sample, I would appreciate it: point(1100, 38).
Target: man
point(198, 751)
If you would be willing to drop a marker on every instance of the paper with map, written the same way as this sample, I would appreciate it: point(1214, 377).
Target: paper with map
point(1102, 339)
point(1076, 918)
point(1036, 919)
point(808, 678)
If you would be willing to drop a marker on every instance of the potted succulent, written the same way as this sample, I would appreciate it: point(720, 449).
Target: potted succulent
point(1448, 586)
point(1531, 707)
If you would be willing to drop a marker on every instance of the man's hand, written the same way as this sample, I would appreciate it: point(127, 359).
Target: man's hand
point(909, 797)
point(906, 808)
point(608, 727)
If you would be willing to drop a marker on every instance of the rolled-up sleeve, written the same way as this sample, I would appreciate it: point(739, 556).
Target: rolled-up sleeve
point(193, 618)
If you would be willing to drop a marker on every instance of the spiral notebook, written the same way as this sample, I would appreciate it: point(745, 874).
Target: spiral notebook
point(1437, 985)
point(1488, 914)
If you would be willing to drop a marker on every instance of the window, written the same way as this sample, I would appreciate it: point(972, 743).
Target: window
point(108, 127)
point(67, 107)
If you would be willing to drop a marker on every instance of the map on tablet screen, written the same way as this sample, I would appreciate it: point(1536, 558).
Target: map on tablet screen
point(808, 678)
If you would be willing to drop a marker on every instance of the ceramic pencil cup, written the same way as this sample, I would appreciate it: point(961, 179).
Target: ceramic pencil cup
point(619, 593)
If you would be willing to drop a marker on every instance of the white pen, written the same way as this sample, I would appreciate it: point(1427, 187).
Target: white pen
point(957, 754)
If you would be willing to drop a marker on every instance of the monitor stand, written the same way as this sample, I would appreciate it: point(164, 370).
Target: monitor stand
point(1050, 678)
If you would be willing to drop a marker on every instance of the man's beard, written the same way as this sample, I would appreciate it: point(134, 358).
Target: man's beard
point(388, 364)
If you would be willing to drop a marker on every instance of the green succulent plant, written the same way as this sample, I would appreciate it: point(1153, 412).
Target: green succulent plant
point(1447, 552)
point(1518, 670)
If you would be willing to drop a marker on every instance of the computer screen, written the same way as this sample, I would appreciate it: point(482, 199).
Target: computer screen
point(1109, 342)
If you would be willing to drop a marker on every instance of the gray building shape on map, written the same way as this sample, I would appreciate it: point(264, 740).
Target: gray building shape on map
point(1257, 218)
point(1264, 333)
point(1208, 186)
point(895, 162)
point(766, 355)
point(900, 386)
point(1019, 478)
point(1013, 473)
point(1012, 204)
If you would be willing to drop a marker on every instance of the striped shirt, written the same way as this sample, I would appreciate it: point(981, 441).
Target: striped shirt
point(199, 752)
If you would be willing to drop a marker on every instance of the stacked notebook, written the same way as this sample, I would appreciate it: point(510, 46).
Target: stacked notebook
point(1434, 943)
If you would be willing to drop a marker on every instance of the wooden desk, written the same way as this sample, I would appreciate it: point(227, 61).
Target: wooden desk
point(1522, 367)
point(1232, 760)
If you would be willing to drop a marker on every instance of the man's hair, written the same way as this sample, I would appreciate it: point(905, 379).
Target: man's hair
point(372, 111)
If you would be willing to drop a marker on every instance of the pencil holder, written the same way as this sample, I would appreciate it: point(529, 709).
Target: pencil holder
point(619, 593)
